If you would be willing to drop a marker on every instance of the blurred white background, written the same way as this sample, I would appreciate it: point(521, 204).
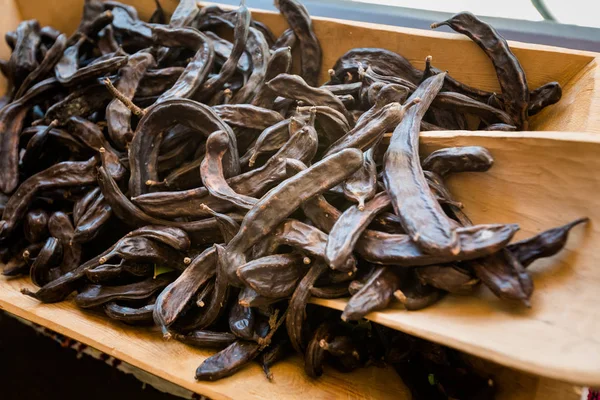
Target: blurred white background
point(576, 12)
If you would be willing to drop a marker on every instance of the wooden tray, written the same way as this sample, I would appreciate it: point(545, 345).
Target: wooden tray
point(176, 362)
point(541, 179)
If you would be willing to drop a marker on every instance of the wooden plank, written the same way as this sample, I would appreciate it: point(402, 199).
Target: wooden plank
point(539, 180)
point(176, 362)
point(9, 18)
point(575, 70)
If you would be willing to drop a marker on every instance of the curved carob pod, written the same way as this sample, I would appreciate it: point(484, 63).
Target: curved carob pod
point(511, 76)
point(166, 114)
point(375, 295)
point(348, 228)
point(174, 298)
point(297, 306)
point(310, 50)
point(279, 63)
point(60, 227)
point(213, 178)
point(223, 49)
point(65, 174)
point(196, 71)
point(49, 257)
point(294, 87)
point(12, 117)
point(544, 96)
point(284, 199)
point(458, 159)
point(129, 315)
point(258, 48)
point(23, 59)
point(96, 295)
point(227, 361)
point(35, 226)
point(240, 33)
point(118, 115)
point(544, 244)
point(422, 216)
point(50, 59)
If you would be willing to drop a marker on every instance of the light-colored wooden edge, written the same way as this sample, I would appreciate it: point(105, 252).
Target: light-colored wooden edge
point(583, 366)
point(175, 362)
point(144, 348)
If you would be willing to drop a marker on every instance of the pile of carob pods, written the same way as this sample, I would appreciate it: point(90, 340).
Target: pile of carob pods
point(176, 172)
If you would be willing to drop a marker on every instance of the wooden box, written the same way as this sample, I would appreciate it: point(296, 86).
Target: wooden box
point(542, 178)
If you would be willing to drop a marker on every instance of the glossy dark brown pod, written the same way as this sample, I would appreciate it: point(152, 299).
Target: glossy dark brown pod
point(213, 177)
point(227, 361)
point(49, 257)
point(65, 174)
point(61, 227)
point(375, 295)
point(458, 159)
point(311, 55)
point(285, 198)
point(129, 315)
point(297, 306)
point(164, 115)
point(273, 276)
point(510, 74)
point(422, 217)
point(348, 228)
point(95, 295)
point(118, 116)
point(204, 338)
point(12, 118)
point(544, 244)
point(172, 301)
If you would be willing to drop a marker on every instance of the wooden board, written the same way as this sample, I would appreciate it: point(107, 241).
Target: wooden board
point(577, 71)
point(175, 362)
point(539, 180)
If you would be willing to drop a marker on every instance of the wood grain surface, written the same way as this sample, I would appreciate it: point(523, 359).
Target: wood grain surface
point(539, 180)
point(176, 362)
